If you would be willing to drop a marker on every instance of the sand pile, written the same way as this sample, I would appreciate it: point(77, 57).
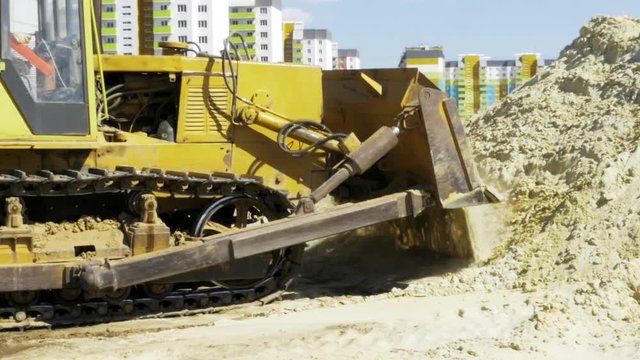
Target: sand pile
point(565, 149)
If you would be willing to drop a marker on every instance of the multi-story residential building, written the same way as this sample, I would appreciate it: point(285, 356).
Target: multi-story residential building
point(260, 24)
point(119, 27)
point(451, 79)
point(475, 81)
point(428, 60)
point(202, 22)
point(293, 33)
point(499, 80)
point(348, 59)
point(470, 83)
point(528, 64)
point(318, 48)
point(132, 27)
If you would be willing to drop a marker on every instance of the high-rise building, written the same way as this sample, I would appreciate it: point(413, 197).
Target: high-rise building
point(428, 60)
point(499, 80)
point(318, 48)
point(475, 81)
point(348, 59)
point(451, 79)
point(293, 32)
point(528, 64)
point(119, 27)
point(130, 27)
point(470, 83)
point(202, 22)
point(259, 22)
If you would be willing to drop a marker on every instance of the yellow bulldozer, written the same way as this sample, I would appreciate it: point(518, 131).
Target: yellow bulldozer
point(148, 183)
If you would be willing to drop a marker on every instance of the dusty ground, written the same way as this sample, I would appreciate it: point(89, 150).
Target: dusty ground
point(566, 284)
point(346, 307)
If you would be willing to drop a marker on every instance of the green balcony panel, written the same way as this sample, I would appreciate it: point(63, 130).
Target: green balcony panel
point(242, 15)
point(162, 29)
point(247, 39)
point(109, 47)
point(107, 2)
point(298, 46)
point(108, 16)
point(108, 31)
point(244, 27)
point(161, 13)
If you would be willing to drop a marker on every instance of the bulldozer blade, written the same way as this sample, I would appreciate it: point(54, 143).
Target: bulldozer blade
point(433, 152)
point(455, 176)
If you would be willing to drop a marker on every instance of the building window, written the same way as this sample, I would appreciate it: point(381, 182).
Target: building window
point(249, 9)
point(202, 39)
point(202, 8)
point(264, 47)
point(308, 51)
point(182, 8)
point(109, 9)
point(320, 59)
point(309, 60)
point(263, 10)
point(126, 13)
point(182, 23)
point(263, 22)
point(182, 39)
point(164, 38)
point(234, 10)
point(109, 24)
point(164, 22)
point(234, 22)
point(320, 42)
point(320, 50)
point(264, 58)
point(250, 34)
point(110, 40)
point(164, 7)
point(308, 42)
point(264, 35)
point(202, 23)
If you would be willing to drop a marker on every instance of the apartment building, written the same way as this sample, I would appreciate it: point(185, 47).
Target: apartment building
point(293, 33)
point(203, 22)
point(476, 81)
point(131, 27)
point(347, 59)
point(429, 60)
point(259, 22)
point(499, 80)
point(119, 27)
point(318, 48)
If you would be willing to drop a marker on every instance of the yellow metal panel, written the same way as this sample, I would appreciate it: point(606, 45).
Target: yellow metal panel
point(423, 61)
point(13, 126)
point(204, 113)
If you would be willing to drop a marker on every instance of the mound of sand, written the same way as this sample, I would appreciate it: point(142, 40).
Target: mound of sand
point(565, 149)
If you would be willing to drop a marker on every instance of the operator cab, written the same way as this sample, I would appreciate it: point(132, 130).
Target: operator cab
point(42, 47)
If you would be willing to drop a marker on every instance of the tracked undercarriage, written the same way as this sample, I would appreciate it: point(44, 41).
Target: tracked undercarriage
point(136, 229)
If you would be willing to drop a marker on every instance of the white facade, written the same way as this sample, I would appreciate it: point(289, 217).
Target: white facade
point(260, 23)
point(204, 22)
point(318, 48)
point(347, 59)
point(120, 27)
point(128, 29)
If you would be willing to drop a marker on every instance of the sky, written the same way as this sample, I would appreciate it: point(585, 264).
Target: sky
point(381, 29)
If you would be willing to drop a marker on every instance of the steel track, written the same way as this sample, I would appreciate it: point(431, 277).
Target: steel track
point(122, 179)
